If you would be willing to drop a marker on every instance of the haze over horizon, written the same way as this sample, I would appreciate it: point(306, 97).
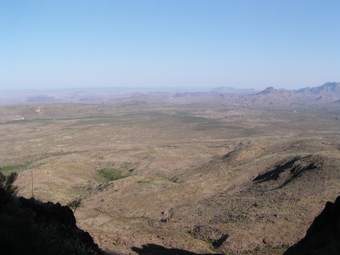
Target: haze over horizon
point(172, 44)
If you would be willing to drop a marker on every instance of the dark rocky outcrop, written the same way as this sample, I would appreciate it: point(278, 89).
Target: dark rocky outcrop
point(28, 226)
point(323, 236)
point(286, 171)
point(154, 249)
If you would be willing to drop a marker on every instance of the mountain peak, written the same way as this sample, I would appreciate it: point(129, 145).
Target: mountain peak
point(331, 86)
point(266, 91)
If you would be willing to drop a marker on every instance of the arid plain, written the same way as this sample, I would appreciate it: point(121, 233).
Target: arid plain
point(205, 176)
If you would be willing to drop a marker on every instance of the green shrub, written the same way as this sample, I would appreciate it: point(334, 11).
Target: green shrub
point(110, 174)
point(8, 169)
point(74, 204)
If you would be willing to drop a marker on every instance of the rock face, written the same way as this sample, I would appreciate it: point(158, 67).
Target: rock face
point(29, 226)
point(323, 236)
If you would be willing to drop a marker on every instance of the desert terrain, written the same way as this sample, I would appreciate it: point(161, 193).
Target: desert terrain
point(203, 172)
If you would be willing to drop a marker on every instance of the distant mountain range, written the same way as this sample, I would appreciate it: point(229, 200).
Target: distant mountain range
point(328, 93)
point(329, 88)
point(324, 94)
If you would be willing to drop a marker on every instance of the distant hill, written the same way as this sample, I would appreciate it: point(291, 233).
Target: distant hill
point(268, 90)
point(41, 99)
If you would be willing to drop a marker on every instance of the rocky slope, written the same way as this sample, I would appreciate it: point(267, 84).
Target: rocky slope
point(257, 197)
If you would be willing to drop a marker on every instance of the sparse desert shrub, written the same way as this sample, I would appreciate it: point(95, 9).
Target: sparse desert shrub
point(74, 204)
point(9, 169)
point(110, 174)
point(7, 189)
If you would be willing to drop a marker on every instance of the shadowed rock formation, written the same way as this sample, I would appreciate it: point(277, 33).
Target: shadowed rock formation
point(28, 226)
point(323, 236)
point(288, 170)
point(154, 249)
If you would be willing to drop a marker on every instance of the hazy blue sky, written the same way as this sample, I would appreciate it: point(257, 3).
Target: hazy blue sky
point(60, 44)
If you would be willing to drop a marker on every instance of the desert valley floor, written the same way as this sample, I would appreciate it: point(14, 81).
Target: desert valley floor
point(205, 177)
